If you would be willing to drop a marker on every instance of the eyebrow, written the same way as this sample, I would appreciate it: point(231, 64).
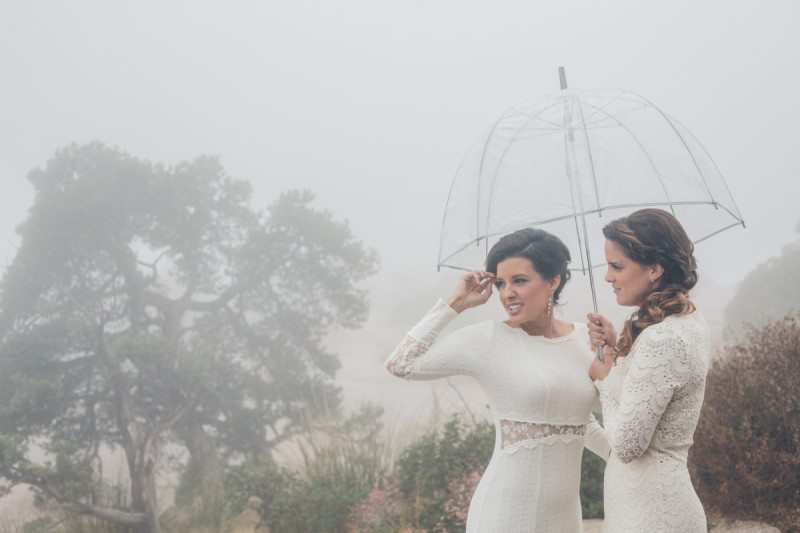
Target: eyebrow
point(496, 278)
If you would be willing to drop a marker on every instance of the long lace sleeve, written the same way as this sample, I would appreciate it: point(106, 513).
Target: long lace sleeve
point(647, 391)
point(423, 355)
point(596, 440)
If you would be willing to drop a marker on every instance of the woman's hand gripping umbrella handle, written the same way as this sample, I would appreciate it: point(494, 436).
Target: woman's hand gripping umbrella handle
point(602, 337)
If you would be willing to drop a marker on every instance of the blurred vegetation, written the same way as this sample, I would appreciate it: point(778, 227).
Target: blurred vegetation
point(438, 473)
point(341, 461)
point(346, 477)
point(592, 473)
point(349, 480)
point(745, 461)
point(152, 308)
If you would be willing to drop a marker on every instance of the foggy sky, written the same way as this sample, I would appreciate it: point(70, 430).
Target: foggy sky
point(371, 105)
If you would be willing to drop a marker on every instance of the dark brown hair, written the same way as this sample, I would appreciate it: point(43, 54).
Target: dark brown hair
point(548, 255)
point(655, 237)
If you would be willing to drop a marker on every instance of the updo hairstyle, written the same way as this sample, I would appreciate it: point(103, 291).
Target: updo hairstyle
point(548, 255)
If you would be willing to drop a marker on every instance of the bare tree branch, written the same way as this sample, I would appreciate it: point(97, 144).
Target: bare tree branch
point(36, 476)
point(112, 515)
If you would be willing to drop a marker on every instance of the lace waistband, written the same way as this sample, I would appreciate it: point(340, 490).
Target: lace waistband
point(514, 431)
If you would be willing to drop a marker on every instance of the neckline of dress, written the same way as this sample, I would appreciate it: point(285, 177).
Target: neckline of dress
point(542, 337)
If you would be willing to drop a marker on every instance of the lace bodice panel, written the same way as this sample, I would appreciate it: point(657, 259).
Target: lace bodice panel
point(652, 397)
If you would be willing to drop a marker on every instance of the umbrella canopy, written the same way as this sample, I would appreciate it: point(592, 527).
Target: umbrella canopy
point(571, 162)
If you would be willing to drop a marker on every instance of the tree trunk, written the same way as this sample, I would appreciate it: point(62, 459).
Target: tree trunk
point(144, 496)
point(203, 476)
point(141, 467)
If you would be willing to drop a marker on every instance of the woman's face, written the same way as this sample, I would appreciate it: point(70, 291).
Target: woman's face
point(523, 292)
point(630, 280)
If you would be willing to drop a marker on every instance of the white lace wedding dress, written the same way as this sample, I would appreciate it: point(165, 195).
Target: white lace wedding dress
point(541, 398)
point(651, 403)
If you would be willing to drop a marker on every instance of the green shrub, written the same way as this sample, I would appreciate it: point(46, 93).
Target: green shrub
point(592, 470)
point(437, 474)
point(342, 460)
point(433, 471)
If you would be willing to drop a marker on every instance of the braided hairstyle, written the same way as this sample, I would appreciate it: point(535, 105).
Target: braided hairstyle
point(655, 237)
point(546, 252)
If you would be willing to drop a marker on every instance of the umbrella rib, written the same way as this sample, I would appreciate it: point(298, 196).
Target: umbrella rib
point(502, 158)
point(720, 231)
point(441, 265)
point(571, 192)
point(609, 115)
point(737, 215)
point(537, 135)
point(591, 159)
point(610, 101)
point(447, 203)
point(480, 174)
point(537, 117)
point(628, 99)
point(647, 155)
point(674, 129)
point(529, 129)
point(736, 207)
point(621, 97)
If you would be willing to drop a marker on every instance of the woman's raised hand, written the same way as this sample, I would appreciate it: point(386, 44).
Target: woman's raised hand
point(473, 289)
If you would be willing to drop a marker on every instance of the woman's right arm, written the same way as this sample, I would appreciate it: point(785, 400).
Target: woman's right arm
point(423, 355)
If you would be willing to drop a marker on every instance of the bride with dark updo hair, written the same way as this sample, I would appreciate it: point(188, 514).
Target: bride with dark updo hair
point(533, 369)
point(652, 380)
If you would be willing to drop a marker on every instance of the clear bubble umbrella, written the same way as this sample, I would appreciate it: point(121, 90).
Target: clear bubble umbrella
point(571, 162)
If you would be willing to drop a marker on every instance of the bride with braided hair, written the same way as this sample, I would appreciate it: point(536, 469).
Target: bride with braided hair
point(652, 379)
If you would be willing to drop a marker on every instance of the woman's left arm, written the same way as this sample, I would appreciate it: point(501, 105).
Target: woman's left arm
point(648, 388)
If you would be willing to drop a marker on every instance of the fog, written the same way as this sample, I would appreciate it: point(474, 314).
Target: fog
point(371, 106)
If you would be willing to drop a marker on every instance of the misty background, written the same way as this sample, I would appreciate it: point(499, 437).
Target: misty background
point(371, 105)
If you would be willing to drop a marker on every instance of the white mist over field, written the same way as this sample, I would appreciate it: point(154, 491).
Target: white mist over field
point(371, 106)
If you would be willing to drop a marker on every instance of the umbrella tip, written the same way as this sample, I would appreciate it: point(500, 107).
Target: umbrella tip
point(562, 77)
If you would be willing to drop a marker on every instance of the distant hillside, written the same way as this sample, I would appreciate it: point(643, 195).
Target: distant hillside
point(770, 291)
